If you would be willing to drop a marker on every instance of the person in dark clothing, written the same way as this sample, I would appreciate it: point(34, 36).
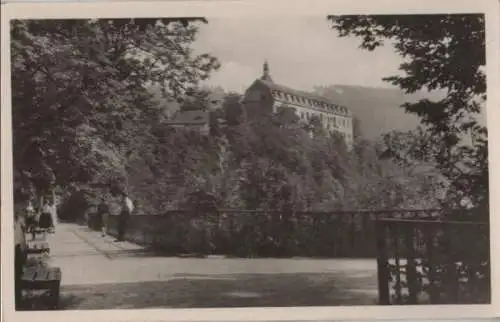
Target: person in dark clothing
point(45, 222)
point(102, 215)
point(126, 210)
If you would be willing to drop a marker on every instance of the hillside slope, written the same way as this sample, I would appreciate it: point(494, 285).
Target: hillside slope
point(378, 109)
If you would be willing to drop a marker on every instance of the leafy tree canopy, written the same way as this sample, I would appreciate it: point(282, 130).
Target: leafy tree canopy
point(78, 96)
point(441, 53)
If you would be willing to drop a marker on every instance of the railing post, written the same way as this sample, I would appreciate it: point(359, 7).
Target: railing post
point(433, 289)
point(411, 272)
point(365, 236)
point(394, 232)
point(352, 249)
point(452, 276)
point(382, 268)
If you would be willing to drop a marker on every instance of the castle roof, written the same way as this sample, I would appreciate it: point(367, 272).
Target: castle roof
point(297, 97)
point(302, 98)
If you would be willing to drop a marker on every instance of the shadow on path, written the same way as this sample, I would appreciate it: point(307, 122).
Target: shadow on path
point(243, 290)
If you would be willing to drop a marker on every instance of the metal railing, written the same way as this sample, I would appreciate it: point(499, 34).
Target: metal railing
point(433, 262)
point(266, 233)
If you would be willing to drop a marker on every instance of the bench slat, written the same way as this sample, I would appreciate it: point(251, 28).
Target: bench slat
point(41, 274)
point(38, 247)
point(38, 242)
point(41, 245)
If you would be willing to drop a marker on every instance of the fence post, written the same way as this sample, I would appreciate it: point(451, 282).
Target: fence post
point(452, 276)
point(397, 258)
point(365, 236)
point(433, 289)
point(382, 269)
point(411, 272)
point(352, 248)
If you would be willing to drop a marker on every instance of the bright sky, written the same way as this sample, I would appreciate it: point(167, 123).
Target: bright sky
point(301, 51)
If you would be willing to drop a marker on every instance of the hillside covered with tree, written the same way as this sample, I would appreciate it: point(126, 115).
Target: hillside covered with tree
point(270, 163)
point(96, 120)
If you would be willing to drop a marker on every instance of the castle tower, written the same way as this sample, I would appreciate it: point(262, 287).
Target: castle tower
point(266, 76)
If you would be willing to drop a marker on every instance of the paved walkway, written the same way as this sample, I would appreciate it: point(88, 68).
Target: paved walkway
point(99, 273)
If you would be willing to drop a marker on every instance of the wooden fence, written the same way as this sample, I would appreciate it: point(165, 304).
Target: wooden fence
point(433, 262)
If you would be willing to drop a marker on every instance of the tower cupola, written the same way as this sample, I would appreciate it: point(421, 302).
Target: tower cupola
point(266, 76)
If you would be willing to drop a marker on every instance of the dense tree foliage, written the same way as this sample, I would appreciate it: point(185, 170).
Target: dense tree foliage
point(441, 53)
point(80, 107)
point(90, 98)
point(84, 116)
point(271, 162)
point(275, 165)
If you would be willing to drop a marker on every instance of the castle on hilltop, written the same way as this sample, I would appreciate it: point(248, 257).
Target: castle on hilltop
point(266, 96)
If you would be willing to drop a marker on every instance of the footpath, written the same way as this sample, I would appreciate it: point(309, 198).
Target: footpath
point(99, 273)
point(84, 256)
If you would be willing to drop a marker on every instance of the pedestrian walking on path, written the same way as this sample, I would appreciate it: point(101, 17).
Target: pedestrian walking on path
point(46, 222)
point(53, 213)
point(103, 214)
point(31, 220)
point(127, 207)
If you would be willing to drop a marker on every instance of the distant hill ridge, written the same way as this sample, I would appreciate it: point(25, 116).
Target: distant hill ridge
point(378, 109)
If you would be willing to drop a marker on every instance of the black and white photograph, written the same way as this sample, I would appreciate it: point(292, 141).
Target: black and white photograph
point(260, 161)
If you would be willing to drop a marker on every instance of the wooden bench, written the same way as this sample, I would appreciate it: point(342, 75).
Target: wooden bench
point(42, 277)
point(40, 231)
point(38, 247)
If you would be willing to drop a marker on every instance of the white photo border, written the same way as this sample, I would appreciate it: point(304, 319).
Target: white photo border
point(248, 8)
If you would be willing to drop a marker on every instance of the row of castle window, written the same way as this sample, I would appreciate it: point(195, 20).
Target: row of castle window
point(344, 135)
point(333, 120)
point(293, 98)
